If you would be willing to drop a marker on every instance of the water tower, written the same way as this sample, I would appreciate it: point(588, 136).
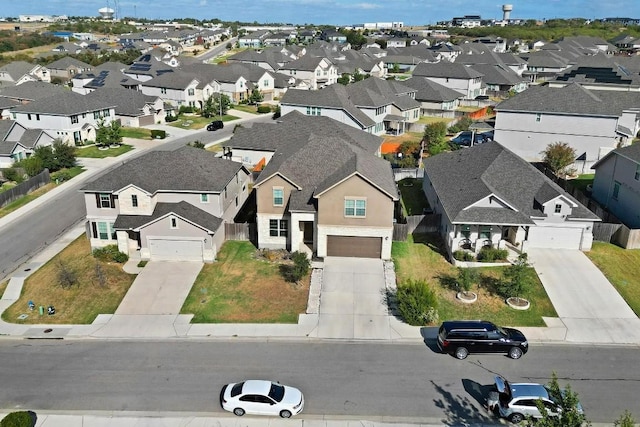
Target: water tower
point(106, 13)
point(506, 11)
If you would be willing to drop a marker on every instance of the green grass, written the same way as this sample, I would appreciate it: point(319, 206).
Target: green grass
point(252, 109)
point(421, 258)
point(239, 288)
point(582, 181)
point(622, 268)
point(135, 133)
point(198, 122)
point(427, 120)
point(94, 153)
point(413, 199)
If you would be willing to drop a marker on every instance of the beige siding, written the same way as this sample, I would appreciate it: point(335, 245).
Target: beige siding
point(264, 195)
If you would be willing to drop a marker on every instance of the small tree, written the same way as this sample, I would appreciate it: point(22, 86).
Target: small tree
point(208, 109)
point(417, 302)
point(299, 269)
point(357, 76)
point(559, 156)
point(48, 158)
point(466, 279)
point(31, 165)
point(115, 132)
point(277, 113)
point(396, 68)
point(256, 96)
point(516, 280)
point(434, 137)
point(65, 154)
point(103, 134)
point(625, 420)
point(344, 79)
point(196, 144)
point(568, 414)
point(221, 104)
point(66, 276)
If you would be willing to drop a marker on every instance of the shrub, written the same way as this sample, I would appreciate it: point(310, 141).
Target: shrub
point(60, 176)
point(463, 256)
point(185, 109)
point(32, 165)
point(277, 113)
point(170, 118)
point(417, 302)
point(263, 109)
point(466, 278)
point(110, 253)
point(19, 419)
point(158, 134)
point(489, 254)
point(13, 174)
point(299, 269)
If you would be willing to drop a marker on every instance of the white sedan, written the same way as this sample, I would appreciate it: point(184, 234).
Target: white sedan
point(261, 398)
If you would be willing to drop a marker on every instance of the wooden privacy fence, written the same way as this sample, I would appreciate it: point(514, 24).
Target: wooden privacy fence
point(241, 231)
point(24, 188)
point(416, 224)
point(401, 173)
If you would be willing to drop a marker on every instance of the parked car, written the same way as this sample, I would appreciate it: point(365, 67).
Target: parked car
point(464, 138)
point(261, 397)
point(517, 401)
point(461, 337)
point(215, 125)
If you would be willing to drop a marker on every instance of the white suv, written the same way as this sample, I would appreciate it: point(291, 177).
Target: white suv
point(518, 401)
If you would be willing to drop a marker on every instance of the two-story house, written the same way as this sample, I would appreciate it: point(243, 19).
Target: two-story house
point(18, 72)
point(155, 215)
point(18, 143)
point(316, 72)
point(177, 88)
point(323, 189)
point(68, 116)
point(132, 108)
point(434, 98)
point(455, 76)
point(67, 67)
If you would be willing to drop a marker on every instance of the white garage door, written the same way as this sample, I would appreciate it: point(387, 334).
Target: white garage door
point(554, 237)
point(175, 250)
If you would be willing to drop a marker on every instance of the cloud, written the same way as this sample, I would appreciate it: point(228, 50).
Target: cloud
point(202, 3)
point(362, 6)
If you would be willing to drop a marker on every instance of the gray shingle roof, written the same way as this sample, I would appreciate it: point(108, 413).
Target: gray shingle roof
point(498, 74)
point(128, 102)
point(571, 99)
point(445, 69)
point(181, 209)
point(17, 69)
point(32, 91)
point(64, 104)
point(185, 169)
point(67, 62)
point(176, 80)
point(430, 91)
point(316, 153)
point(463, 177)
point(306, 63)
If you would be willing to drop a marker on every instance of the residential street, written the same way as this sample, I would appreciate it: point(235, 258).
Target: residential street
point(398, 381)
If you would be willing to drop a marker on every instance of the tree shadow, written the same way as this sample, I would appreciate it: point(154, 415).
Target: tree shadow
point(490, 284)
point(478, 391)
point(448, 281)
point(433, 241)
point(461, 410)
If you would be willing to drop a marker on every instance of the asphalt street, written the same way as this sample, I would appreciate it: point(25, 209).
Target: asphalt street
point(341, 379)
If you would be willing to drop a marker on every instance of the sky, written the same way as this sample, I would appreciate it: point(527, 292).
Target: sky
point(333, 12)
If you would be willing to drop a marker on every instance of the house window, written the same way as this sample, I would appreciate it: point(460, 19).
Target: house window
point(356, 208)
point(465, 231)
point(204, 198)
point(191, 92)
point(558, 208)
point(28, 116)
point(106, 113)
point(278, 196)
point(485, 232)
point(278, 227)
point(616, 190)
point(96, 115)
point(134, 200)
point(637, 175)
point(163, 90)
point(74, 119)
point(538, 117)
point(174, 223)
point(103, 231)
point(105, 200)
point(265, 83)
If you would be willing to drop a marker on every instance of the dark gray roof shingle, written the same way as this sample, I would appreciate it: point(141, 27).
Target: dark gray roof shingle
point(181, 209)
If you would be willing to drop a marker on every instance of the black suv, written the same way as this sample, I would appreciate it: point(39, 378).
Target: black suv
point(215, 125)
point(461, 337)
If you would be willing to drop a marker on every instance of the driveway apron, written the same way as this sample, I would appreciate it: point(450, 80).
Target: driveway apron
point(353, 300)
point(160, 288)
point(586, 302)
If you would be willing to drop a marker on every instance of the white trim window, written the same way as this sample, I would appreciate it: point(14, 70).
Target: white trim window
point(204, 198)
point(355, 207)
point(278, 196)
point(278, 227)
point(174, 223)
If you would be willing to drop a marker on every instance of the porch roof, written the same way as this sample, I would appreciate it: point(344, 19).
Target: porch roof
point(492, 216)
point(182, 209)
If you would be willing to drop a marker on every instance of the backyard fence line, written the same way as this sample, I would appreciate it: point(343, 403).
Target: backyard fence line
point(24, 188)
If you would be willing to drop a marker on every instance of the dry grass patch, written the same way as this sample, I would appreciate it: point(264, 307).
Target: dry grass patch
point(239, 288)
point(79, 303)
point(407, 136)
point(422, 258)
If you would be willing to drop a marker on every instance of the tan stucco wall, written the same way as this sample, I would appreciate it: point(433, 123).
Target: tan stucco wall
point(264, 195)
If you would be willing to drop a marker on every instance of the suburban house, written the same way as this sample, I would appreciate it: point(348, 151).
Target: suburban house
point(155, 215)
point(236, 80)
point(323, 189)
point(316, 72)
point(18, 142)
point(434, 98)
point(177, 88)
point(67, 67)
point(31, 91)
point(71, 117)
point(616, 185)
point(132, 108)
point(107, 75)
point(270, 59)
point(373, 105)
point(455, 76)
point(487, 196)
point(147, 67)
point(593, 122)
point(254, 39)
point(501, 80)
point(396, 42)
point(18, 72)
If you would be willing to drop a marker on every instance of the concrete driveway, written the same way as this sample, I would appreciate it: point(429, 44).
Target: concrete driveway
point(160, 288)
point(586, 302)
point(353, 300)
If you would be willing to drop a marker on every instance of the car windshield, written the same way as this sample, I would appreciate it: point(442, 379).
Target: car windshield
point(502, 331)
point(276, 392)
point(236, 389)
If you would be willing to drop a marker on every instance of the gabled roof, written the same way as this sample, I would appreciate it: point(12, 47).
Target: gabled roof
point(631, 152)
point(67, 62)
point(148, 65)
point(31, 91)
point(128, 102)
point(205, 173)
point(181, 209)
point(462, 177)
point(445, 69)
point(571, 99)
point(17, 69)
point(305, 63)
point(316, 153)
point(64, 104)
point(430, 91)
point(498, 74)
point(178, 80)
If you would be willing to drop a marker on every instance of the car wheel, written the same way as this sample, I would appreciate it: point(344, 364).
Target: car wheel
point(285, 414)
point(515, 353)
point(516, 418)
point(461, 353)
point(239, 412)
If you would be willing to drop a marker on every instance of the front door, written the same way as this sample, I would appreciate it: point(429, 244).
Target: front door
point(307, 231)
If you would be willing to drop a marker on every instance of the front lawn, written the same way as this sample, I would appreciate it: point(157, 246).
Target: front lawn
point(421, 258)
point(198, 122)
point(80, 303)
point(622, 269)
point(427, 120)
point(238, 288)
point(413, 199)
point(135, 133)
point(93, 152)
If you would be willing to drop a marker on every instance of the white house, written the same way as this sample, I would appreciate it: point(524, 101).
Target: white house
point(455, 76)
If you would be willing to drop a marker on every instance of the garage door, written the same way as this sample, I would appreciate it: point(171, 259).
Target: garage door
point(146, 120)
point(361, 247)
point(554, 237)
point(175, 250)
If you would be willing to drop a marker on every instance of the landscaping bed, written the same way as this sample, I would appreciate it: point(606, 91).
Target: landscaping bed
point(422, 258)
point(94, 152)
